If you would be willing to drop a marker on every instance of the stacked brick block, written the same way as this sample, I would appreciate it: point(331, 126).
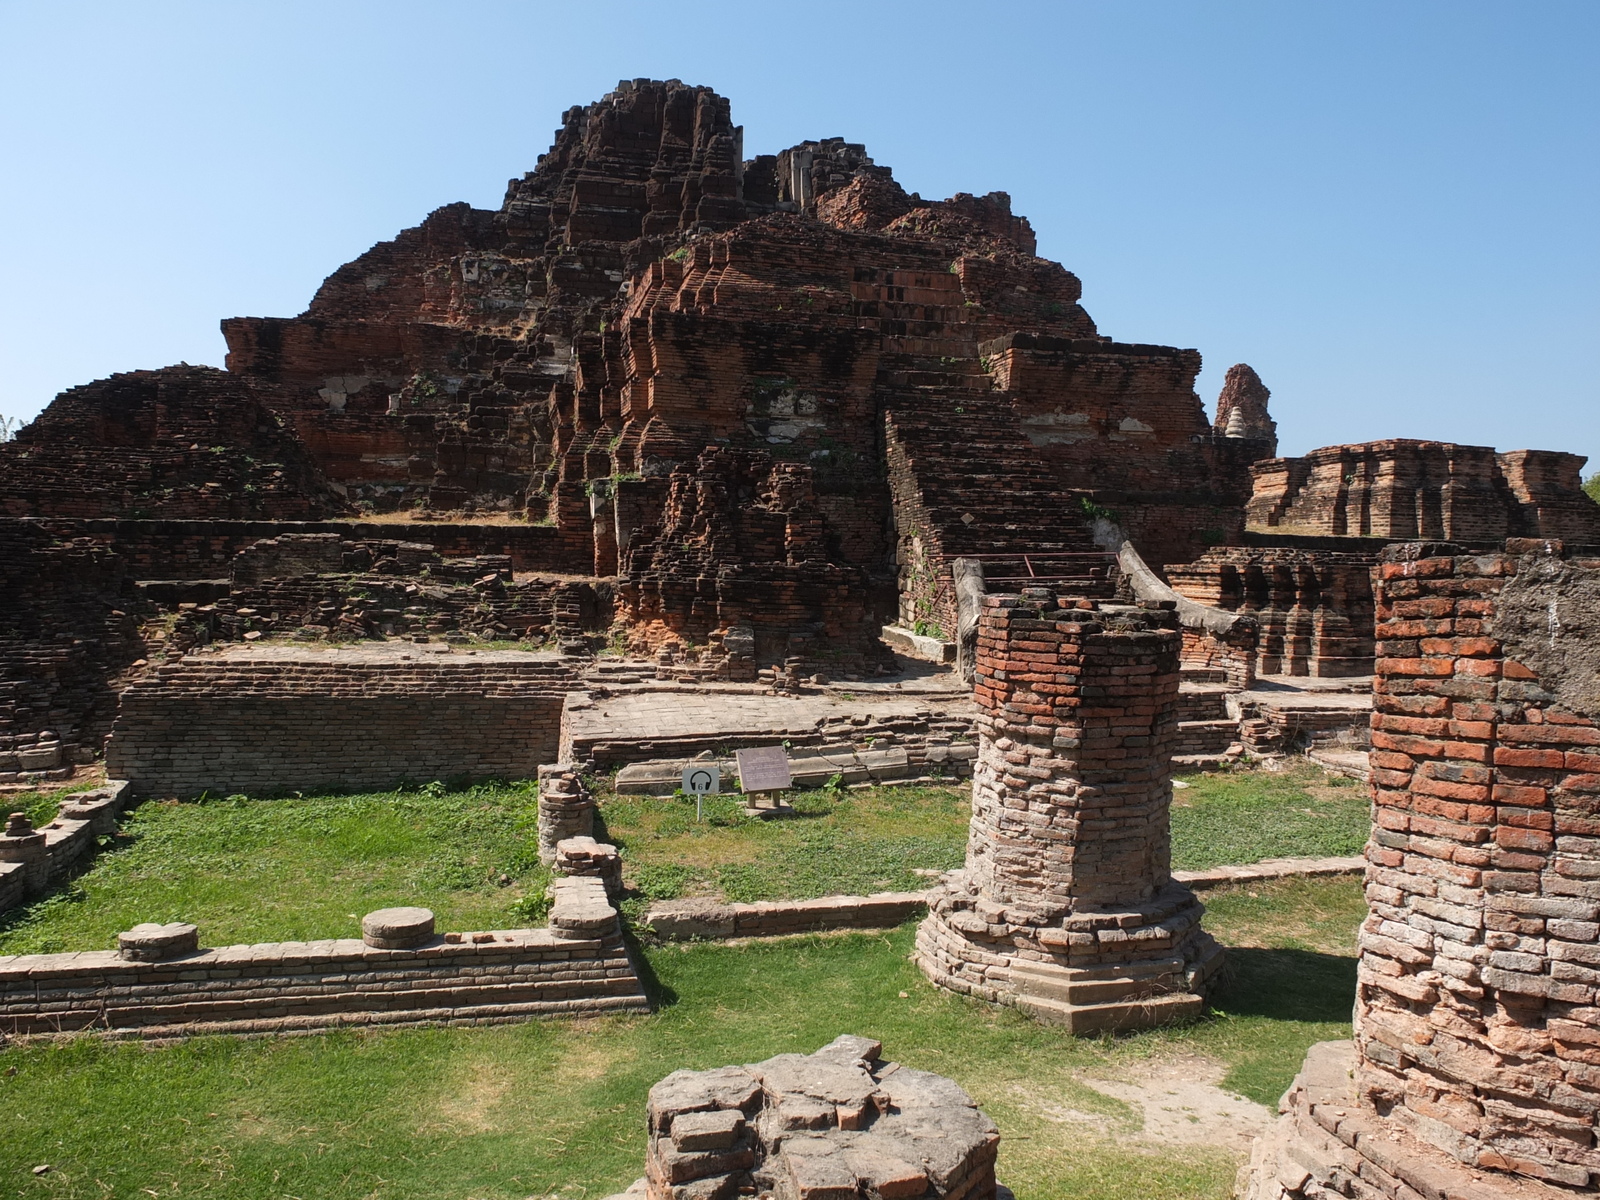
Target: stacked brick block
point(839, 1124)
point(566, 809)
point(1477, 1048)
point(1066, 906)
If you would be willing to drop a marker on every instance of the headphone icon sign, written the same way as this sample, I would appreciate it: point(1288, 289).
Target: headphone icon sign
point(700, 781)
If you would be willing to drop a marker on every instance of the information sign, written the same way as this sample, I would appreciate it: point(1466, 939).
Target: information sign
point(764, 769)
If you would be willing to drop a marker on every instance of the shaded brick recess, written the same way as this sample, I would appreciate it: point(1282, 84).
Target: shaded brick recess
point(66, 635)
point(1066, 906)
point(273, 725)
point(1477, 1050)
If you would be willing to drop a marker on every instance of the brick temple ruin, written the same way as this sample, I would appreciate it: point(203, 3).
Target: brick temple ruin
point(1066, 907)
point(717, 437)
point(734, 417)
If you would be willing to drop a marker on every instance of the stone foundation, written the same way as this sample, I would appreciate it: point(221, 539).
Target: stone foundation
point(1066, 906)
point(579, 966)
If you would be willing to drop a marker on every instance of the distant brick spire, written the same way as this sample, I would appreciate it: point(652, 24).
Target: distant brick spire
point(1242, 407)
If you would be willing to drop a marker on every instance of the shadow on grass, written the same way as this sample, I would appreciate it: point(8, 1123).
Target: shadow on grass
point(1286, 985)
point(660, 995)
point(64, 888)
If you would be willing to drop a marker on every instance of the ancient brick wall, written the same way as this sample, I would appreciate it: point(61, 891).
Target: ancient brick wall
point(1547, 488)
point(65, 632)
point(1476, 1015)
point(460, 979)
point(740, 565)
point(1403, 489)
point(1314, 607)
point(1123, 424)
point(157, 549)
point(1066, 906)
point(262, 727)
point(187, 442)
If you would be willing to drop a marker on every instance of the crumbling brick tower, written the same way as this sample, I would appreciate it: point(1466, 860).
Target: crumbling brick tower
point(1475, 1070)
point(1066, 907)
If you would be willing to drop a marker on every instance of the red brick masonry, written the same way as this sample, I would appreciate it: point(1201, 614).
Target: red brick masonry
point(1477, 1047)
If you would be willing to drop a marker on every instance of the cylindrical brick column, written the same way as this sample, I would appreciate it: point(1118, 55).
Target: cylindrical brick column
point(1066, 906)
point(1475, 1069)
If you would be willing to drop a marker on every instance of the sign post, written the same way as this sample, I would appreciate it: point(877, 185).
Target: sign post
point(701, 780)
point(764, 769)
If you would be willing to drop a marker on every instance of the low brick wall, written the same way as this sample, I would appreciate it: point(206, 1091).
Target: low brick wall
point(458, 979)
point(228, 725)
point(68, 840)
point(682, 920)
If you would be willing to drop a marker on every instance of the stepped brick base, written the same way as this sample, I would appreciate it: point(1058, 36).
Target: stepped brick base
point(1131, 969)
point(1328, 1147)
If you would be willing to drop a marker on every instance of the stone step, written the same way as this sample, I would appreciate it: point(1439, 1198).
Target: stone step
point(1206, 737)
point(1118, 1014)
point(1088, 985)
point(1202, 704)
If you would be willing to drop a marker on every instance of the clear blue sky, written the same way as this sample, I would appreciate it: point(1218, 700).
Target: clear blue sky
point(1392, 210)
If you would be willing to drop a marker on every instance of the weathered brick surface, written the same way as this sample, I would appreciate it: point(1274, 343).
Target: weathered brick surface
point(825, 1126)
point(1314, 607)
point(1066, 906)
point(1402, 488)
point(1477, 1011)
point(230, 725)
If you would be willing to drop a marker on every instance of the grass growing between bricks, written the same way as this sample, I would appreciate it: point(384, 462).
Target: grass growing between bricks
point(557, 1108)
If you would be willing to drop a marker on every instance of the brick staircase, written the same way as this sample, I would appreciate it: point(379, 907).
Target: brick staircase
point(975, 485)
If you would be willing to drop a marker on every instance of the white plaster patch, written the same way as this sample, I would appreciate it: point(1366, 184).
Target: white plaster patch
point(1057, 428)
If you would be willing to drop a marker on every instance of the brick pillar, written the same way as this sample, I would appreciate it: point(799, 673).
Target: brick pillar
point(1066, 906)
point(1475, 1069)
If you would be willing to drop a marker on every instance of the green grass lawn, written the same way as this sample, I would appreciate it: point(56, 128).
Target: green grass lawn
point(299, 869)
point(557, 1108)
point(296, 870)
point(1243, 816)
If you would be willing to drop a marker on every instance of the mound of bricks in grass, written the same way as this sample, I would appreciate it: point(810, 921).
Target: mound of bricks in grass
point(566, 809)
point(1475, 1068)
point(1066, 906)
point(839, 1124)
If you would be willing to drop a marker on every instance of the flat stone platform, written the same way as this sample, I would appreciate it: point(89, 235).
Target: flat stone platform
point(663, 722)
